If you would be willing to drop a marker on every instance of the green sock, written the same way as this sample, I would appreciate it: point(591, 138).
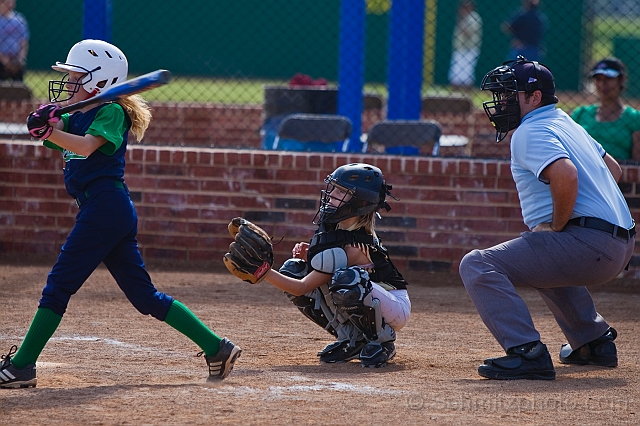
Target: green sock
point(44, 324)
point(187, 323)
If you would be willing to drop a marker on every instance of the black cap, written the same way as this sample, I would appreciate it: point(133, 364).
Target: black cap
point(532, 76)
point(609, 67)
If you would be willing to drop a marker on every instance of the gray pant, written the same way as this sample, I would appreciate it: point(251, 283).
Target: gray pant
point(559, 265)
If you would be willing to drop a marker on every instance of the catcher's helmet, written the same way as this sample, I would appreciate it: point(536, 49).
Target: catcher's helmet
point(361, 189)
point(103, 63)
point(505, 82)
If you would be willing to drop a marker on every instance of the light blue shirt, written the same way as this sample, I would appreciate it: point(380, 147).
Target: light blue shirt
point(548, 134)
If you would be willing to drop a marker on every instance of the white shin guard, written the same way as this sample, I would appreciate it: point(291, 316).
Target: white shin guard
point(350, 290)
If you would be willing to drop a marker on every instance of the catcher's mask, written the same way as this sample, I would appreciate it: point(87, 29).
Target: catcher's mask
point(505, 81)
point(102, 64)
point(352, 190)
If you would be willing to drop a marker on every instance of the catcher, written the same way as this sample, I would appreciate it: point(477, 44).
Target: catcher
point(343, 280)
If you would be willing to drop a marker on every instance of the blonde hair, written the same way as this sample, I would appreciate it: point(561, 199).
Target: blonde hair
point(139, 112)
point(368, 222)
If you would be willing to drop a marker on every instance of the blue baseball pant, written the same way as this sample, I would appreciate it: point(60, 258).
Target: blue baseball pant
point(105, 231)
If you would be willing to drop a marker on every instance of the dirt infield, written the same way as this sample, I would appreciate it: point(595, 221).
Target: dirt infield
point(108, 365)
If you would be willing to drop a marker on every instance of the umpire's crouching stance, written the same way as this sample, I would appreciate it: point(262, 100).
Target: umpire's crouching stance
point(582, 232)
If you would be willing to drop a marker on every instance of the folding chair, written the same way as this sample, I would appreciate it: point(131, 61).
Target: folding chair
point(453, 108)
point(406, 137)
point(313, 133)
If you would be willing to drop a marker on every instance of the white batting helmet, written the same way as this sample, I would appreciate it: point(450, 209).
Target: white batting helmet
point(104, 64)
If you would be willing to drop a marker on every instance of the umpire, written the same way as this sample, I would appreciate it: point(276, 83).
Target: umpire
point(582, 232)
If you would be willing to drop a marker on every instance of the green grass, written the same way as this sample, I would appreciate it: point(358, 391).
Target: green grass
point(192, 89)
point(180, 89)
point(605, 30)
point(228, 91)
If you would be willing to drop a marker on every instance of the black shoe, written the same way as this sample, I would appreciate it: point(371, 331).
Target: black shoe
point(341, 351)
point(376, 355)
point(221, 364)
point(13, 377)
point(531, 361)
point(601, 351)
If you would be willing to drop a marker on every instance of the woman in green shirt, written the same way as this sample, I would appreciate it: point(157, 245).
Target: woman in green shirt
point(612, 123)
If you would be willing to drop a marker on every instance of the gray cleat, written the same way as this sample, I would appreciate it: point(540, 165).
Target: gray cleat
point(221, 364)
point(13, 377)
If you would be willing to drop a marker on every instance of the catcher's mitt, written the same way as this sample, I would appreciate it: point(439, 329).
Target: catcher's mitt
point(250, 256)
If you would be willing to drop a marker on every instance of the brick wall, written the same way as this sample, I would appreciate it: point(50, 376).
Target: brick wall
point(238, 126)
point(186, 196)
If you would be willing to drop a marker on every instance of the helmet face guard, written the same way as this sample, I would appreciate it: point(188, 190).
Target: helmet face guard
point(504, 110)
point(352, 190)
point(57, 88)
point(335, 204)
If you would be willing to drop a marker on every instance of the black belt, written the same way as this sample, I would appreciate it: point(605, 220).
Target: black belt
point(99, 186)
point(603, 225)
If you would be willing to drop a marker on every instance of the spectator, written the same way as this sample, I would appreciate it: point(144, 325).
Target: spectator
point(526, 27)
point(612, 123)
point(467, 39)
point(14, 41)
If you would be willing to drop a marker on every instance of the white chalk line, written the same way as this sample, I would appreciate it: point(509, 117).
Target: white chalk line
point(108, 341)
point(294, 391)
point(86, 339)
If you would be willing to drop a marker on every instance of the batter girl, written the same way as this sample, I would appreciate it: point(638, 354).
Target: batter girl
point(93, 142)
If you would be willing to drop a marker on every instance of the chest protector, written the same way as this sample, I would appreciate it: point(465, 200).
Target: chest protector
point(383, 270)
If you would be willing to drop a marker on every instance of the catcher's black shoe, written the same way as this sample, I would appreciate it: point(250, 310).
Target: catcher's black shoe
point(601, 351)
point(220, 364)
point(530, 361)
point(341, 351)
point(13, 377)
point(376, 355)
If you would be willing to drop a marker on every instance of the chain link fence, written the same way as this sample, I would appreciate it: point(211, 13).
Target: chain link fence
point(242, 68)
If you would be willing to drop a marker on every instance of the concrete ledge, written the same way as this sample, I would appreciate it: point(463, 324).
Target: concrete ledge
point(14, 131)
point(14, 91)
